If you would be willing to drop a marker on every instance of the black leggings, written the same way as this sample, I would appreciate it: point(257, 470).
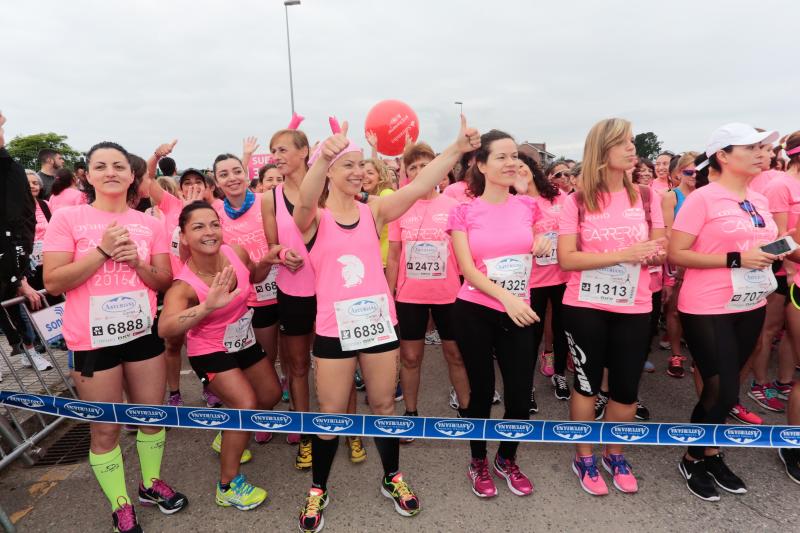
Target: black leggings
point(539, 298)
point(479, 330)
point(720, 346)
point(602, 339)
point(655, 316)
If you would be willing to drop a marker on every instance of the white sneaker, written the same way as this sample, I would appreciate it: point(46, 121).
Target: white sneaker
point(41, 363)
point(453, 401)
point(432, 337)
point(497, 398)
point(664, 345)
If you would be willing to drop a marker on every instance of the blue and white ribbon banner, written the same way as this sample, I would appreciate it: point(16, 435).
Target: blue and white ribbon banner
point(417, 427)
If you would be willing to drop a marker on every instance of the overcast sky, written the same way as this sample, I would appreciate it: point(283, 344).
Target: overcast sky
point(211, 72)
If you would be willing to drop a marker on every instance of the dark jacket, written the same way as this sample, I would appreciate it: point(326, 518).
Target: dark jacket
point(17, 224)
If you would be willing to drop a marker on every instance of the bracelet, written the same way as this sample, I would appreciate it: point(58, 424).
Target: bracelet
point(734, 260)
point(282, 254)
point(103, 252)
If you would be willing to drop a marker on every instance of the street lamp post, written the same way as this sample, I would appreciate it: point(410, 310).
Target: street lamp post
point(286, 5)
point(460, 107)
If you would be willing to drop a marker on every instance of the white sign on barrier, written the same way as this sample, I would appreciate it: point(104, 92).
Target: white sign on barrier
point(49, 321)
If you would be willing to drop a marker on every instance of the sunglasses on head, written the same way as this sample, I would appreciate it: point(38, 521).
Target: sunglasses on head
point(755, 217)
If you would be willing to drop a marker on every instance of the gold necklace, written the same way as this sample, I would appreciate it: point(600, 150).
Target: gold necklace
point(208, 275)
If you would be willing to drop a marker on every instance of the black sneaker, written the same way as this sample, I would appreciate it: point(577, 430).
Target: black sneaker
point(722, 475)
point(698, 481)
point(600, 402)
point(561, 389)
point(791, 460)
point(533, 408)
point(360, 386)
point(408, 440)
point(642, 412)
point(161, 494)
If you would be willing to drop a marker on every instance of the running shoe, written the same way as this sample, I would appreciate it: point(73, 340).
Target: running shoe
point(649, 367)
point(675, 366)
point(600, 402)
point(642, 412)
point(216, 445)
point(570, 364)
point(791, 461)
point(175, 400)
point(303, 459)
point(284, 390)
point(620, 470)
point(263, 437)
point(766, 397)
point(398, 393)
point(357, 452)
point(664, 344)
point(560, 387)
point(241, 494)
point(161, 494)
point(125, 518)
point(698, 481)
point(723, 476)
point(211, 399)
point(311, 519)
point(406, 502)
point(482, 483)
point(585, 468)
point(783, 389)
point(533, 407)
point(546, 364)
point(517, 482)
point(293, 439)
point(496, 399)
point(452, 400)
point(739, 412)
point(359, 381)
point(432, 337)
point(31, 358)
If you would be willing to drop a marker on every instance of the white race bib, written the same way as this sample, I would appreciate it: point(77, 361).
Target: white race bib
point(426, 259)
point(268, 289)
point(119, 318)
point(549, 258)
point(36, 254)
point(611, 285)
point(511, 272)
point(750, 287)
point(175, 243)
point(364, 322)
point(240, 335)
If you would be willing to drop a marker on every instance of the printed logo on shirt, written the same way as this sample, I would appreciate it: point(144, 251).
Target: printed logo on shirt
point(441, 218)
point(742, 435)
point(334, 423)
point(633, 213)
point(630, 432)
point(84, 410)
point(139, 229)
point(271, 421)
point(597, 216)
point(146, 414)
point(209, 418)
point(686, 434)
point(514, 430)
point(454, 428)
point(394, 425)
point(412, 220)
point(572, 431)
point(25, 400)
point(352, 270)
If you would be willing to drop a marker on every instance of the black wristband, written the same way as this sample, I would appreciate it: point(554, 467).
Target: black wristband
point(103, 252)
point(734, 260)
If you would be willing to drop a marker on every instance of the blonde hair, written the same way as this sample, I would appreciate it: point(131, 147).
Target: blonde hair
point(168, 184)
point(684, 160)
point(601, 138)
point(384, 181)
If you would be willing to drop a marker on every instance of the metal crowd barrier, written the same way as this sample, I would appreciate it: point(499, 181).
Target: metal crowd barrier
point(20, 432)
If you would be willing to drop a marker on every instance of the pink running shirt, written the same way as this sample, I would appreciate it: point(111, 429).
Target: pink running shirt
point(458, 192)
point(615, 228)
point(712, 213)
point(783, 194)
point(300, 282)
point(546, 271)
point(660, 186)
point(424, 246)
point(495, 231)
point(66, 198)
point(171, 207)
point(760, 182)
point(79, 230)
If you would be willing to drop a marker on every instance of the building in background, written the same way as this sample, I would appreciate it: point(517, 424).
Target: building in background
point(540, 149)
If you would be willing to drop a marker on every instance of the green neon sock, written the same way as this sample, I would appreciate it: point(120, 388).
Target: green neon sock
point(151, 450)
point(110, 474)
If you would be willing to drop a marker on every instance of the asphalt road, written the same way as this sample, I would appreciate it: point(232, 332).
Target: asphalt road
point(67, 499)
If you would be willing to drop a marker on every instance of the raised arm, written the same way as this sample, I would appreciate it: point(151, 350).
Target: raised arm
point(249, 147)
point(149, 180)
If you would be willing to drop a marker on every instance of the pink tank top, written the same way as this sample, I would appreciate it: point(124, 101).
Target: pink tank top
point(300, 282)
point(347, 264)
point(207, 336)
point(248, 232)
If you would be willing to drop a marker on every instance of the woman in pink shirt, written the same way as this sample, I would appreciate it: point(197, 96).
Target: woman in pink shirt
point(110, 260)
point(355, 312)
point(65, 191)
point(608, 242)
point(494, 245)
point(716, 237)
point(208, 303)
point(661, 184)
point(423, 276)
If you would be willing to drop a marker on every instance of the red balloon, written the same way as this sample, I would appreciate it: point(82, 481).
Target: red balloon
point(391, 121)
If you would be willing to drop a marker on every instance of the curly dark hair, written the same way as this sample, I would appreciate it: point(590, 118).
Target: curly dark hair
point(546, 188)
point(133, 190)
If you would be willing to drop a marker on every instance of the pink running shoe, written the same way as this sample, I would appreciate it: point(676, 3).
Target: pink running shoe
point(620, 470)
point(211, 399)
point(293, 439)
point(766, 397)
point(585, 468)
point(517, 482)
point(739, 412)
point(263, 437)
point(482, 484)
point(546, 364)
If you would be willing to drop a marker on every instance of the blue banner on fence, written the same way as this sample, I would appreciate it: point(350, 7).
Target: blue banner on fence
point(549, 431)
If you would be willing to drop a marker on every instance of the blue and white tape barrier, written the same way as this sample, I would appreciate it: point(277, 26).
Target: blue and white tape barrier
point(547, 431)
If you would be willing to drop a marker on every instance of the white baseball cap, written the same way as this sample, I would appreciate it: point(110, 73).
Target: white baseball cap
point(736, 134)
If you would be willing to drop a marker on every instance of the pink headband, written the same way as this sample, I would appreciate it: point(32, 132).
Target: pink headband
point(795, 150)
point(335, 128)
